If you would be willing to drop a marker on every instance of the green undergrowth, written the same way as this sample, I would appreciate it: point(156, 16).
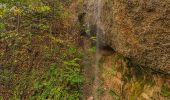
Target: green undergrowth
point(135, 77)
point(58, 83)
point(128, 81)
point(100, 91)
point(165, 91)
point(39, 57)
point(53, 74)
point(114, 95)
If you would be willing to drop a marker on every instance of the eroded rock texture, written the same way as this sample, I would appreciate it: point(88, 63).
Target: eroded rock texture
point(138, 29)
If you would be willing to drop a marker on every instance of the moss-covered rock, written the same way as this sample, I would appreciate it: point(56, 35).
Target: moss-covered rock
point(138, 29)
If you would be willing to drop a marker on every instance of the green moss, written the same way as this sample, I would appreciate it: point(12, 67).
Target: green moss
point(92, 49)
point(100, 91)
point(1, 98)
point(136, 90)
point(165, 91)
point(114, 95)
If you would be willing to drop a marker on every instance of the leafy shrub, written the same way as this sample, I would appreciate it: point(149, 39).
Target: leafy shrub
point(58, 83)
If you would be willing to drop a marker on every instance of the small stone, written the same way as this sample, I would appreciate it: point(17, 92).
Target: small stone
point(90, 98)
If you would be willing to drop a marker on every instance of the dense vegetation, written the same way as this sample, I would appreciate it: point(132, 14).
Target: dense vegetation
point(47, 52)
point(39, 58)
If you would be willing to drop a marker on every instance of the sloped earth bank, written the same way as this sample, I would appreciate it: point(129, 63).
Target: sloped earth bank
point(121, 80)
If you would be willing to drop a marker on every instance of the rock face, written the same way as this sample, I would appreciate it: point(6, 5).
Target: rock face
point(138, 29)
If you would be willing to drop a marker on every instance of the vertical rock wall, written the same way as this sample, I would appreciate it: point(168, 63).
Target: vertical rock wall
point(138, 29)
